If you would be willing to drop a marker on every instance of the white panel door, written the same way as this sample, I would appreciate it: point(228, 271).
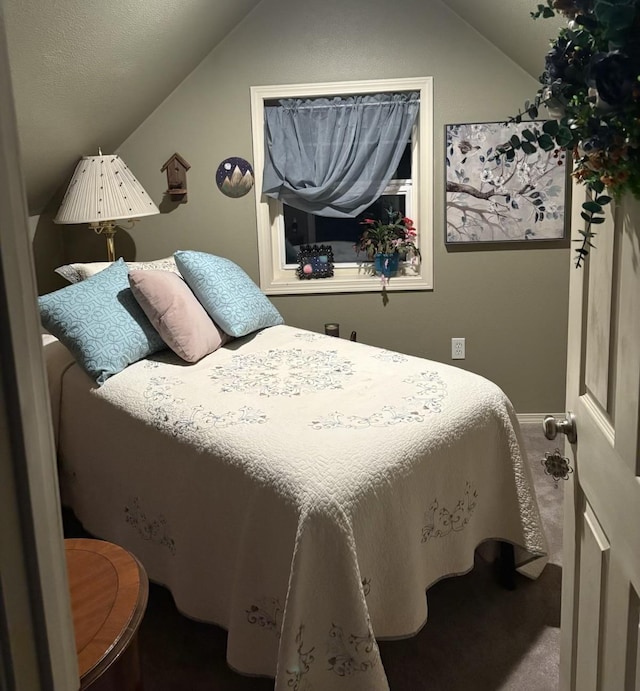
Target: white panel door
point(601, 573)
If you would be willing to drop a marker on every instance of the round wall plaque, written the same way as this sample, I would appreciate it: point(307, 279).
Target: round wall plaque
point(234, 177)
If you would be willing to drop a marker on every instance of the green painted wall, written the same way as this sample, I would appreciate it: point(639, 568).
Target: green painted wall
point(510, 305)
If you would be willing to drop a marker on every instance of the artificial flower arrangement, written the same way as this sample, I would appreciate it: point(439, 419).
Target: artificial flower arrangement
point(395, 235)
point(591, 89)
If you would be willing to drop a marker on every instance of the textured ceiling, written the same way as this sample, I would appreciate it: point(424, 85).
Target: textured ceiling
point(86, 73)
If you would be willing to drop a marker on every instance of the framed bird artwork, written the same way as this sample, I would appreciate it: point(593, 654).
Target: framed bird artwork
point(495, 198)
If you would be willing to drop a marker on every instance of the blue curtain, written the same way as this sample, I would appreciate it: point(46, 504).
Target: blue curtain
point(334, 157)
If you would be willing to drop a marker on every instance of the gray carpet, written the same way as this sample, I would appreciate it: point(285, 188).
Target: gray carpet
point(479, 637)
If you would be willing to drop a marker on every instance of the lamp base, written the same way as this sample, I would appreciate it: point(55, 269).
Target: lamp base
point(108, 229)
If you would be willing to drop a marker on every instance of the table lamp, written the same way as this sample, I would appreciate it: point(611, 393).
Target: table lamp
point(103, 190)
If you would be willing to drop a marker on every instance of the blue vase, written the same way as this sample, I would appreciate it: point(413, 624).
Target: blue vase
point(386, 264)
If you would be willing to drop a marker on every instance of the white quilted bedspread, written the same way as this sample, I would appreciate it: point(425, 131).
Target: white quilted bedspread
point(301, 491)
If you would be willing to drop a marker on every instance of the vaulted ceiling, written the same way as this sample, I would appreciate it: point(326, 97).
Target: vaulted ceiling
point(86, 73)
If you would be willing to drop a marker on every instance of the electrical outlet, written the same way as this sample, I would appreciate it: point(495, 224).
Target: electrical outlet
point(457, 349)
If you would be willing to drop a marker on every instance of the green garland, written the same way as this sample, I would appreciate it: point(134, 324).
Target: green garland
point(591, 89)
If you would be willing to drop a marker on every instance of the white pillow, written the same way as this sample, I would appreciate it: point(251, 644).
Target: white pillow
point(74, 273)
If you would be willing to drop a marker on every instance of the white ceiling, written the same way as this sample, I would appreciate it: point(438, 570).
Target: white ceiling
point(86, 73)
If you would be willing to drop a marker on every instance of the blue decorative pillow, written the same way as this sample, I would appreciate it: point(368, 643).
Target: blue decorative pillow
point(230, 297)
point(100, 322)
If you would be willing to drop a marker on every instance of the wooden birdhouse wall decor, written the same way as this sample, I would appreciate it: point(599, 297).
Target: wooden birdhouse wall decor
point(176, 168)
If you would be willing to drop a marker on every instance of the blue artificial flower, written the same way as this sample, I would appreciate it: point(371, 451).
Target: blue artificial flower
point(614, 76)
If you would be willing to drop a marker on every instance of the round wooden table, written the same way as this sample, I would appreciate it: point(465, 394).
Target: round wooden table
point(109, 590)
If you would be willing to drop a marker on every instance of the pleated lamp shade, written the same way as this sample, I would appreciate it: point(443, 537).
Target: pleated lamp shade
point(104, 189)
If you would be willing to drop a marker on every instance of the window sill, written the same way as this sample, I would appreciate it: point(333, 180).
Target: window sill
point(288, 284)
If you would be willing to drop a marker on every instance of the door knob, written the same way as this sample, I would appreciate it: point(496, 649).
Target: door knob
point(567, 426)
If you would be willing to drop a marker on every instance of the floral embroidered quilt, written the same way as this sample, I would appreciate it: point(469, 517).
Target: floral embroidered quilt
point(300, 490)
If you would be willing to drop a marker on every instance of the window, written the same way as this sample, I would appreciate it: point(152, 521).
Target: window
point(281, 228)
point(301, 228)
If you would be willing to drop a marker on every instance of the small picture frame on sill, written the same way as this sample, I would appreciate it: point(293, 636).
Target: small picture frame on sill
point(315, 261)
point(493, 199)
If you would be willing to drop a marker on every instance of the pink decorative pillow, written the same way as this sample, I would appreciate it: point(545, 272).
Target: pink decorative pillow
point(176, 314)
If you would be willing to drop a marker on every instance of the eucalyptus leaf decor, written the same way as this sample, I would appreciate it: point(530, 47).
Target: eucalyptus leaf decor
point(591, 89)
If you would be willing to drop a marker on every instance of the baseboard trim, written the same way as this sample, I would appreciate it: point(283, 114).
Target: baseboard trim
point(527, 418)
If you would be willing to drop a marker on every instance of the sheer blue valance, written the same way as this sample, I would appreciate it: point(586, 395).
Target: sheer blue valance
point(335, 156)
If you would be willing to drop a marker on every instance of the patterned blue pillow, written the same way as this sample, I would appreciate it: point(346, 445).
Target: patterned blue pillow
point(230, 297)
point(100, 322)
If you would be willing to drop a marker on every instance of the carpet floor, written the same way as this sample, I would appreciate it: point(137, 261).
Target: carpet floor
point(479, 637)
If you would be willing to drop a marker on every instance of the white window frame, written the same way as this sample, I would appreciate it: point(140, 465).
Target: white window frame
point(276, 278)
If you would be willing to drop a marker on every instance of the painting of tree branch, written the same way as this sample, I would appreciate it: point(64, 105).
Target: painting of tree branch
point(501, 199)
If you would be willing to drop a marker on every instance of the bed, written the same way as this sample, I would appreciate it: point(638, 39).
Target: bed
point(299, 490)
